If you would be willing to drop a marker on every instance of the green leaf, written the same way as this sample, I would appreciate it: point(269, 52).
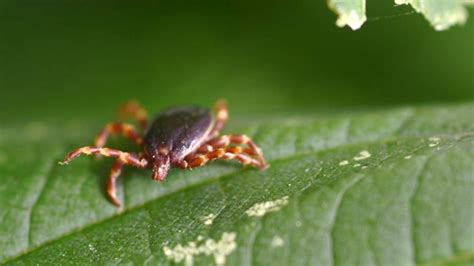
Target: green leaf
point(442, 14)
point(391, 187)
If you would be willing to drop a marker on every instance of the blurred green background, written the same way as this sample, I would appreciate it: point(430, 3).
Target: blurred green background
point(81, 59)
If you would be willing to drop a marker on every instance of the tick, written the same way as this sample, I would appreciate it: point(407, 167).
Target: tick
point(185, 137)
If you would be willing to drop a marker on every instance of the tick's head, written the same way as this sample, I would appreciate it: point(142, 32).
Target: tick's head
point(159, 158)
point(161, 165)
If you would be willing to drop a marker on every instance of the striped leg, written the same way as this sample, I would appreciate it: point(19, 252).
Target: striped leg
point(111, 183)
point(222, 114)
point(124, 157)
point(230, 153)
point(135, 110)
point(125, 129)
point(225, 140)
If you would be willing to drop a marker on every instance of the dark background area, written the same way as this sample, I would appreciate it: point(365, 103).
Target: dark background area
point(80, 59)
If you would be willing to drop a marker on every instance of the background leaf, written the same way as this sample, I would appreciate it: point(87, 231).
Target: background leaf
point(264, 57)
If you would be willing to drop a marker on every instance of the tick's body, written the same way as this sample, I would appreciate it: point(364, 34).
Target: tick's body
point(186, 137)
point(178, 131)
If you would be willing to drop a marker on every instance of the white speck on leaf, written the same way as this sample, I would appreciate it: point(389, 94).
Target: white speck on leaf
point(434, 141)
point(92, 248)
point(362, 155)
point(408, 157)
point(260, 209)
point(357, 165)
point(345, 162)
point(219, 249)
point(277, 242)
point(209, 219)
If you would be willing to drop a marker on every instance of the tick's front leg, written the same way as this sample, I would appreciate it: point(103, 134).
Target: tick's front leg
point(124, 157)
point(135, 110)
point(111, 182)
point(125, 129)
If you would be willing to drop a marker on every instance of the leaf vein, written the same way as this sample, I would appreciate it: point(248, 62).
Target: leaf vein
point(337, 205)
point(411, 200)
point(251, 243)
point(37, 197)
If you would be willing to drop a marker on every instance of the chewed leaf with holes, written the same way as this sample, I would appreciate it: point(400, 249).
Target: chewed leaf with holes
point(385, 188)
point(351, 12)
point(442, 14)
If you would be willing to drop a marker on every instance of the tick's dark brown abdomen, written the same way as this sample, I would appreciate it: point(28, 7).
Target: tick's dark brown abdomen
point(179, 130)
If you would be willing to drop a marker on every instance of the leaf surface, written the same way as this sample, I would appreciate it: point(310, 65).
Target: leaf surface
point(378, 188)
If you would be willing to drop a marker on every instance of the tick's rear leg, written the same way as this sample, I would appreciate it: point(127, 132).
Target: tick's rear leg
point(226, 140)
point(222, 114)
point(125, 129)
point(230, 153)
point(124, 157)
point(135, 110)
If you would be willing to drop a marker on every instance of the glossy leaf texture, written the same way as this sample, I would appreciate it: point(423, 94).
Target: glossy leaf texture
point(391, 187)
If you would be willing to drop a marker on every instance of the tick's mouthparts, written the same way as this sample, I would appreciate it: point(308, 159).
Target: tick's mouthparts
point(160, 170)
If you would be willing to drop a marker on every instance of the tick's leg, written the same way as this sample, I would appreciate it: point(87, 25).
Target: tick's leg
point(226, 140)
point(135, 110)
point(222, 114)
point(111, 183)
point(125, 129)
point(124, 157)
point(231, 153)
